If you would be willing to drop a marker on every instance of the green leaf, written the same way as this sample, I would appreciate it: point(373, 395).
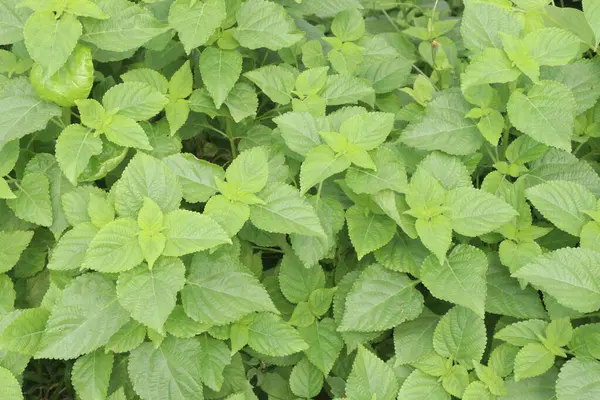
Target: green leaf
point(262, 23)
point(10, 387)
point(84, 319)
point(578, 379)
point(22, 330)
point(368, 231)
point(181, 83)
point(369, 130)
point(188, 232)
point(14, 242)
point(169, 372)
point(380, 299)
point(9, 154)
point(115, 247)
point(591, 10)
point(456, 381)
point(561, 274)
point(224, 293)
point(300, 131)
point(559, 332)
point(435, 234)
point(532, 360)
point(506, 297)
point(249, 171)
point(7, 296)
point(12, 21)
point(477, 391)
point(23, 112)
point(419, 384)
point(72, 82)
point(146, 176)
point(196, 22)
point(128, 27)
point(585, 339)
point(474, 212)
point(231, 215)
point(180, 325)
point(523, 333)
point(460, 279)
point(306, 380)
point(130, 336)
point(214, 358)
point(578, 76)
point(413, 339)
point(50, 41)
point(563, 203)
point(346, 89)
point(196, 177)
point(220, 70)
point(136, 100)
point(460, 335)
point(546, 113)
point(296, 281)
point(371, 378)
point(70, 250)
point(552, 46)
point(275, 81)
point(285, 211)
point(490, 66)
point(242, 101)
point(32, 202)
point(125, 132)
point(151, 217)
point(483, 23)
point(321, 163)
point(150, 294)
point(91, 375)
point(269, 334)
point(348, 25)
point(74, 148)
point(444, 127)
point(324, 344)
point(149, 76)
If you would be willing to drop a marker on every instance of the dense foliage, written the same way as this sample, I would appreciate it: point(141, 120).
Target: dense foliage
point(349, 199)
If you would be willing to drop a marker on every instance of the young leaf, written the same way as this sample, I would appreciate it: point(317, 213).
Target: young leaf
point(269, 334)
point(74, 148)
point(220, 70)
point(532, 360)
point(368, 231)
point(136, 100)
point(32, 202)
point(11, 389)
point(460, 335)
point(324, 344)
point(371, 378)
point(296, 281)
point(275, 81)
point(188, 232)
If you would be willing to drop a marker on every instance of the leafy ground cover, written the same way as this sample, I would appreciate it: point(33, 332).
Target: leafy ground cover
point(341, 199)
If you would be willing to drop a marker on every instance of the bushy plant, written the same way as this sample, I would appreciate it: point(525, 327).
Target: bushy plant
point(349, 199)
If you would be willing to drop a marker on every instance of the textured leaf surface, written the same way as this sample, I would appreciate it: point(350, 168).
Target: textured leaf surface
point(91, 375)
point(371, 378)
point(269, 334)
point(460, 335)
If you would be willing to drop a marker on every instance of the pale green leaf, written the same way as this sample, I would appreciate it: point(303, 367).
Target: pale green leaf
point(196, 177)
point(380, 299)
point(249, 171)
point(444, 127)
point(262, 23)
point(13, 244)
point(270, 335)
point(300, 130)
point(215, 356)
point(136, 100)
point(296, 281)
point(23, 112)
point(532, 360)
point(32, 202)
point(74, 148)
point(12, 21)
point(125, 132)
point(321, 163)
point(346, 89)
point(130, 336)
point(371, 378)
point(220, 70)
point(461, 279)
point(578, 379)
point(9, 386)
point(242, 101)
point(181, 83)
point(414, 339)
point(128, 27)
point(483, 23)
point(420, 386)
point(224, 293)
point(473, 212)
point(275, 81)
point(306, 380)
point(150, 294)
point(146, 176)
point(490, 66)
point(563, 203)
point(22, 330)
point(460, 335)
point(149, 76)
point(324, 344)
point(91, 375)
point(115, 247)
point(368, 231)
point(169, 372)
point(84, 319)
point(70, 250)
point(285, 211)
point(50, 41)
point(579, 76)
point(435, 234)
point(591, 10)
point(180, 325)
point(545, 113)
point(523, 333)
point(552, 46)
point(570, 275)
point(189, 232)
